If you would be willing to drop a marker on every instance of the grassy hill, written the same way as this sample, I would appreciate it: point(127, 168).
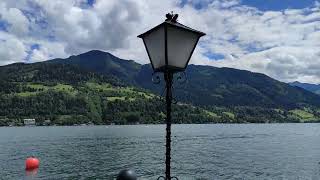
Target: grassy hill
point(68, 95)
point(206, 85)
point(101, 88)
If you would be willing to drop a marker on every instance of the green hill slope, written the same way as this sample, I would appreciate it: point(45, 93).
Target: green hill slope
point(69, 95)
point(101, 88)
point(206, 85)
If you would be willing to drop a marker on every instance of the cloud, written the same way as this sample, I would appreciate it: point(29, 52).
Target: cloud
point(11, 49)
point(47, 50)
point(282, 44)
point(17, 22)
point(287, 63)
point(104, 26)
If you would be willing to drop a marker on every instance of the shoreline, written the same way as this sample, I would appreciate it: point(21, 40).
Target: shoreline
point(162, 124)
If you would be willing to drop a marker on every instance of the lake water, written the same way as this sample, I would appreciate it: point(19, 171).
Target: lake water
point(215, 151)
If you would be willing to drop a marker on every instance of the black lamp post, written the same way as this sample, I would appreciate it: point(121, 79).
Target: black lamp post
point(170, 46)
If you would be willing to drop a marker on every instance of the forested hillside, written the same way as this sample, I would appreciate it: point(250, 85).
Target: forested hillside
point(68, 95)
point(100, 88)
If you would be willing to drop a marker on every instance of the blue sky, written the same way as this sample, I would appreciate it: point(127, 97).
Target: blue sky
point(263, 5)
point(278, 5)
point(277, 37)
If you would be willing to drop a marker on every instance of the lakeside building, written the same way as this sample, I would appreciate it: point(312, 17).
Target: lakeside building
point(29, 122)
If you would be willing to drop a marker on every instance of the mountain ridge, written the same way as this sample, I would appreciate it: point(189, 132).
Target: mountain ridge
point(101, 88)
point(247, 83)
point(315, 88)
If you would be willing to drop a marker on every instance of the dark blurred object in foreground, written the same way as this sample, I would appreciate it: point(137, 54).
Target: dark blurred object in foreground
point(127, 175)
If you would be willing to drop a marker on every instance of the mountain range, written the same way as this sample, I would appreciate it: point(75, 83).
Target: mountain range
point(206, 85)
point(315, 88)
point(99, 87)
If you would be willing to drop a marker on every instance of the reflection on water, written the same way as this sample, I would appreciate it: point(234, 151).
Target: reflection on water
point(32, 173)
point(246, 151)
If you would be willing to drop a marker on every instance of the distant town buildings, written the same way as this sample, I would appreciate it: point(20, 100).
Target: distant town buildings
point(29, 122)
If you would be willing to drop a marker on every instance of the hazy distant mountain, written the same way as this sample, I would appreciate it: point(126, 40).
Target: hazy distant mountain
point(99, 87)
point(315, 88)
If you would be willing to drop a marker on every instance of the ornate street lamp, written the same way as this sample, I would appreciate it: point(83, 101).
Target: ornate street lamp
point(170, 46)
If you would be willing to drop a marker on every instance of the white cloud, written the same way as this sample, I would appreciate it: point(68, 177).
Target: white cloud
point(105, 26)
point(47, 50)
point(287, 63)
point(282, 44)
point(11, 49)
point(18, 23)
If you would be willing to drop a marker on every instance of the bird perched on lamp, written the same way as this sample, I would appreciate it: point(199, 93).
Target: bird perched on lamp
point(172, 17)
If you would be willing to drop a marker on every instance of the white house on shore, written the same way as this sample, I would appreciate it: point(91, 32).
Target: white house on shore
point(29, 122)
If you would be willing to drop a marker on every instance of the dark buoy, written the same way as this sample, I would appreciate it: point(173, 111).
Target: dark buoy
point(127, 175)
point(32, 163)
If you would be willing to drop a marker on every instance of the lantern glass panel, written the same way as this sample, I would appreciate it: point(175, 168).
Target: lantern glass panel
point(181, 43)
point(155, 45)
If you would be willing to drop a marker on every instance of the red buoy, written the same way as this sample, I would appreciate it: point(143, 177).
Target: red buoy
point(32, 163)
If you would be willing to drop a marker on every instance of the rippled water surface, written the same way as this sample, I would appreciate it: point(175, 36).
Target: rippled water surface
point(246, 151)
